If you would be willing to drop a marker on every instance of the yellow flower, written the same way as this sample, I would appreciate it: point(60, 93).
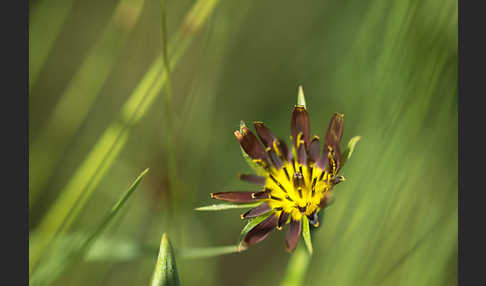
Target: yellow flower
point(296, 182)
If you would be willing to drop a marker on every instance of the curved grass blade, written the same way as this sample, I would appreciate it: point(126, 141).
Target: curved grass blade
point(165, 273)
point(306, 234)
point(88, 175)
point(222, 207)
point(79, 96)
point(74, 251)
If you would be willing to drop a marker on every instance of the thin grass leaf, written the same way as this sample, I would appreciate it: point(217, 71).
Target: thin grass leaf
point(74, 250)
point(251, 224)
point(306, 234)
point(79, 96)
point(207, 252)
point(296, 268)
point(222, 207)
point(44, 29)
point(87, 177)
point(165, 273)
point(350, 148)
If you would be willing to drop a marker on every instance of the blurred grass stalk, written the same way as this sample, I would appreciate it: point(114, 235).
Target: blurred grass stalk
point(44, 30)
point(87, 177)
point(297, 267)
point(168, 122)
point(81, 92)
point(59, 263)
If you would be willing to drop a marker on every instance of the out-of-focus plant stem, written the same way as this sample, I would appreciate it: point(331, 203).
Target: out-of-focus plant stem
point(86, 178)
point(169, 123)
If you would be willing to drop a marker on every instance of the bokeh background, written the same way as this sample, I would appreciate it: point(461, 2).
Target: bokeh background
point(98, 118)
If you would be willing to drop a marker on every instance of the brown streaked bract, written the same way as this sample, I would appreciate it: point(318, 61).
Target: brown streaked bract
point(254, 179)
point(282, 219)
point(264, 133)
point(250, 144)
point(293, 234)
point(314, 149)
point(261, 230)
point(256, 211)
point(285, 150)
point(234, 197)
point(334, 132)
point(300, 123)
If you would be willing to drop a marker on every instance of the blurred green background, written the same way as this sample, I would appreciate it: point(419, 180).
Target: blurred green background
point(97, 120)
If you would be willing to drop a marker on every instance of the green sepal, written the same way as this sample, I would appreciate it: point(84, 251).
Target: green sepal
point(306, 234)
point(350, 148)
point(301, 98)
point(251, 224)
point(222, 207)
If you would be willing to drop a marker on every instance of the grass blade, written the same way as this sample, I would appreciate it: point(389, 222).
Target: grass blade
point(87, 177)
point(79, 96)
point(207, 252)
point(44, 29)
point(165, 273)
point(222, 207)
point(51, 270)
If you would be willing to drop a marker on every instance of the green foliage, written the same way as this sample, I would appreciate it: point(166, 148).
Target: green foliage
point(207, 252)
point(296, 268)
point(222, 207)
point(97, 115)
point(73, 250)
point(165, 273)
point(306, 234)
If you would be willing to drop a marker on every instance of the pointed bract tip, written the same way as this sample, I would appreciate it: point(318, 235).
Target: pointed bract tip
point(301, 98)
point(238, 135)
point(242, 126)
point(165, 238)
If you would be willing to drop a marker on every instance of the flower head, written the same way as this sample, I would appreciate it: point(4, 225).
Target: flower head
point(296, 183)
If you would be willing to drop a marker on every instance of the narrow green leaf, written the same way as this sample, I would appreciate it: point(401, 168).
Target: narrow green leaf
point(87, 176)
point(80, 95)
point(350, 148)
point(165, 273)
point(75, 250)
point(306, 234)
point(207, 252)
point(300, 97)
point(251, 224)
point(222, 207)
